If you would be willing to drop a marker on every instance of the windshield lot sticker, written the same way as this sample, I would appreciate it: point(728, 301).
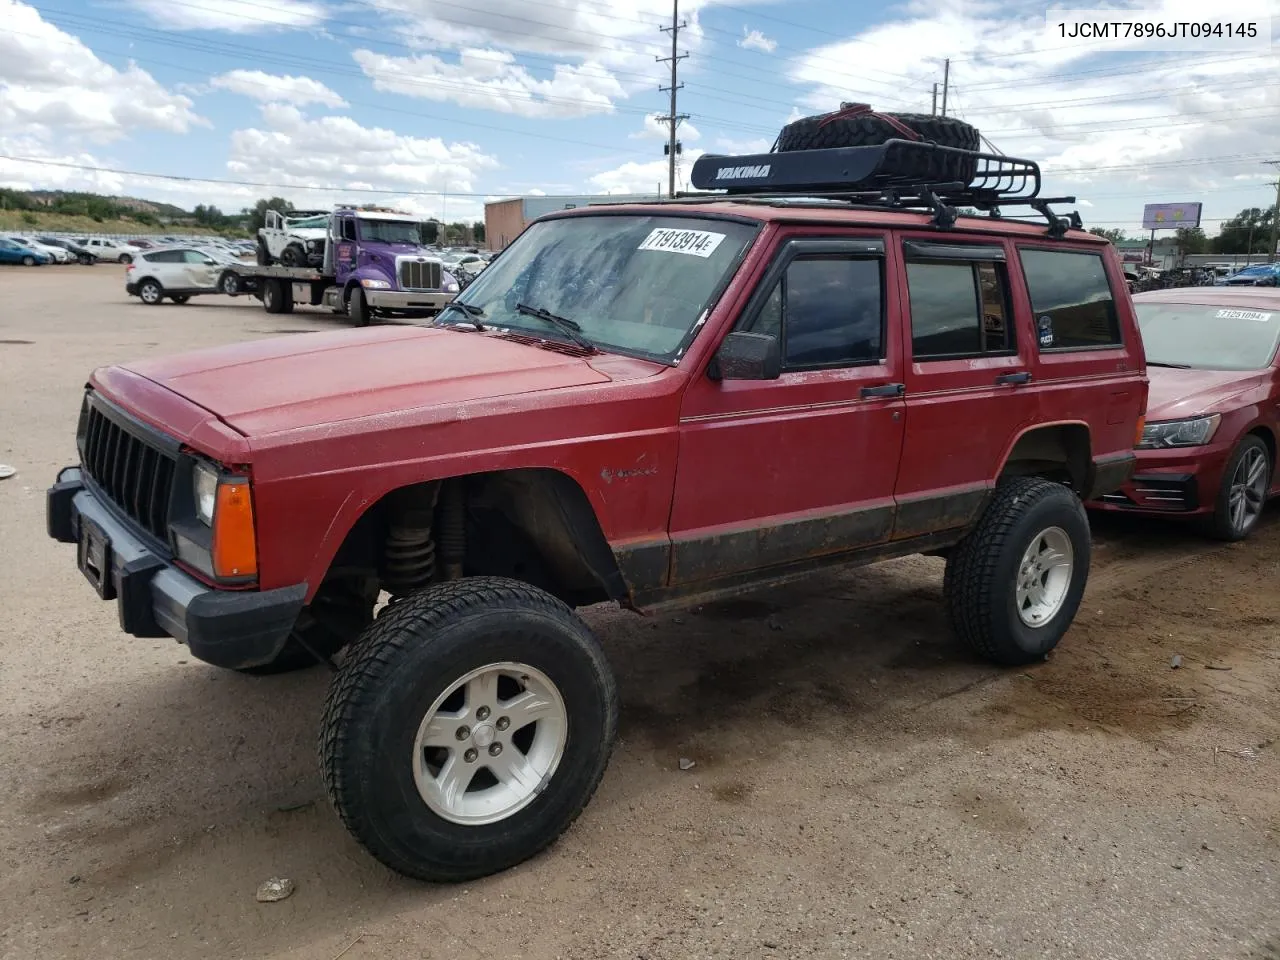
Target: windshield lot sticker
point(698, 243)
point(1045, 325)
point(1243, 315)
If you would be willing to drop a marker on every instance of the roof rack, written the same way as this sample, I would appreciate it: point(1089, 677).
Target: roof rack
point(885, 176)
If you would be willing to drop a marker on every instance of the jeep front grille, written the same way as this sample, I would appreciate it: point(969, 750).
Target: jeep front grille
point(419, 276)
point(135, 475)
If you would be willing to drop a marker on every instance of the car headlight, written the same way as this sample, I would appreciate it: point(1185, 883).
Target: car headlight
point(1179, 433)
point(204, 486)
point(451, 286)
point(370, 284)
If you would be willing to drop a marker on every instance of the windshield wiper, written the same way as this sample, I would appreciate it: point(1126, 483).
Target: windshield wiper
point(471, 312)
point(570, 328)
point(1175, 366)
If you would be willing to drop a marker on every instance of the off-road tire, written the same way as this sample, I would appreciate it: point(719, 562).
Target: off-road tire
point(358, 308)
point(229, 283)
point(126, 258)
point(156, 295)
point(390, 679)
point(982, 571)
point(277, 295)
point(262, 254)
point(293, 256)
point(335, 618)
point(28, 261)
point(1218, 524)
point(809, 133)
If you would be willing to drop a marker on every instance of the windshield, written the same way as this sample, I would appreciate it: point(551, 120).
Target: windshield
point(634, 284)
point(1208, 337)
point(391, 231)
point(308, 223)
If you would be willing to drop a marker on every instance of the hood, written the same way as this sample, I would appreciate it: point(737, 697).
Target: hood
point(284, 383)
point(1176, 394)
point(308, 233)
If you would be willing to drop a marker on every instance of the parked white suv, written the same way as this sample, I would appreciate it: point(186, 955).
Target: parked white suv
point(295, 239)
point(59, 255)
point(178, 273)
point(116, 250)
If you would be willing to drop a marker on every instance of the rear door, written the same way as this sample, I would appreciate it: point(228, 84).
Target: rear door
point(774, 473)
point(969, 388)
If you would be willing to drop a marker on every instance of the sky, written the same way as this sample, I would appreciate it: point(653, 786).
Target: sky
point(433, 106)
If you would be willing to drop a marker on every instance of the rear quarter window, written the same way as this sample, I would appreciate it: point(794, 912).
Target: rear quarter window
point(1072, 305)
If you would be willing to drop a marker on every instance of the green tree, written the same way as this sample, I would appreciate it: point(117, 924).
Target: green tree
point(1115, 235)
point(1191, 240)
point(257, 214)
point(1249, 231)
point(431, 231)
point(477, 231)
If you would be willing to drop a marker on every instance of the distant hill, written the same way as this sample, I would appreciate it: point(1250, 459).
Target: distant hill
point(59, 209)
point(52, 198)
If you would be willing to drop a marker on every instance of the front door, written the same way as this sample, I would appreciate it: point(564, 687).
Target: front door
point(774, 473)
point(200, 271)
point(966, 361)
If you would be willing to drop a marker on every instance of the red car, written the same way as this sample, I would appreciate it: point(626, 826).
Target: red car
point(1208, 449)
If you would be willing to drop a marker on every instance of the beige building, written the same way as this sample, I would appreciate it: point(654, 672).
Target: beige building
point(505, 219)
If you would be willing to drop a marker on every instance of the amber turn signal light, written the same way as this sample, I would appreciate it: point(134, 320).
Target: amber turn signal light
point(1142, 425)
point(235, 548)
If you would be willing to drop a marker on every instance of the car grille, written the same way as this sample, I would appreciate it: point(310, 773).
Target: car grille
point(419, 276)
point(136, 476)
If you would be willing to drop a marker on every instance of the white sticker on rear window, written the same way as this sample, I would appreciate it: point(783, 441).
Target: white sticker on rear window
point(698, 243)
point(1243, 315)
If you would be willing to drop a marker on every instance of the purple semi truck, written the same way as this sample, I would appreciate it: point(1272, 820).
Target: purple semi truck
point(362, 263)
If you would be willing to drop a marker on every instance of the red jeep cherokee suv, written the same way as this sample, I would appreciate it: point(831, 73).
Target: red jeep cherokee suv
point(647, 404)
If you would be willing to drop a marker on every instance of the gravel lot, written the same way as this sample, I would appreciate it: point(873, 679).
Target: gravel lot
point(862, 787)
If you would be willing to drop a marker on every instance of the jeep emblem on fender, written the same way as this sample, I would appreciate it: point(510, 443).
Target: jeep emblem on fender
point(742, 173)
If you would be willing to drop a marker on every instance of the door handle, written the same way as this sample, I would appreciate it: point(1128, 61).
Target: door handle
point(886, 390)
point(1022, 377)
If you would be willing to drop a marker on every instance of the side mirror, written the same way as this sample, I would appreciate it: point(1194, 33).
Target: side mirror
point(747, 356)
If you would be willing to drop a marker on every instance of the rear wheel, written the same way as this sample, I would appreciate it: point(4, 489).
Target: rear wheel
point(1013, 585)
point(126, 258)
point(229, 283)
point(277, 296)
point(85, 259)
point(468, 729)
point(150, 292)
point(1243, 491)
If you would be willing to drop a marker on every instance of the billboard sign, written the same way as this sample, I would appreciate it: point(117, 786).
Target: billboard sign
point(1170, 216)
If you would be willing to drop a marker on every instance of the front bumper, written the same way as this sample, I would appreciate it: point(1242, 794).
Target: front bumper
point(154, 598)
point(400, 300)
point(1181, 481)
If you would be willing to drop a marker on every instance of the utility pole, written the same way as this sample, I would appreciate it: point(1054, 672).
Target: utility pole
point(934, 110)
point(673, 119)
point(946, 82)
point(1275, 216)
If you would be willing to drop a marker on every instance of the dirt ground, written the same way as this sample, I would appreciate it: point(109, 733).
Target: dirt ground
point(862, 787)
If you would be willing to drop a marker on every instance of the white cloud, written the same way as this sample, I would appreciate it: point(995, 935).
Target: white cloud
point(272, 88)
point(643, 177)
point(1074, 111)
point(52, 84)
point(492, 80)
point(290, 148)
point(755, 40)
point(233, 16)
point(739, 147)
point(655, 128)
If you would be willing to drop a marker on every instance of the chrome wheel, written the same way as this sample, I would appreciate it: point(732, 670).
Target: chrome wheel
point(1248, 490)
point(490, 744)
point(1044, 576)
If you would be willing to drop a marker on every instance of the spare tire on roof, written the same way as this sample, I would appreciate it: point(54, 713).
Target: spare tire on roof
point(849, 128)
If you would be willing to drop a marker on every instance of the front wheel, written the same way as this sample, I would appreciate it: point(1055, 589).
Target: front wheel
point(1013, 585)
point(468, 728)
point(1243, 491)
point(85, 259)
point(28, 261)
point(293, 256)
point(358, 308)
